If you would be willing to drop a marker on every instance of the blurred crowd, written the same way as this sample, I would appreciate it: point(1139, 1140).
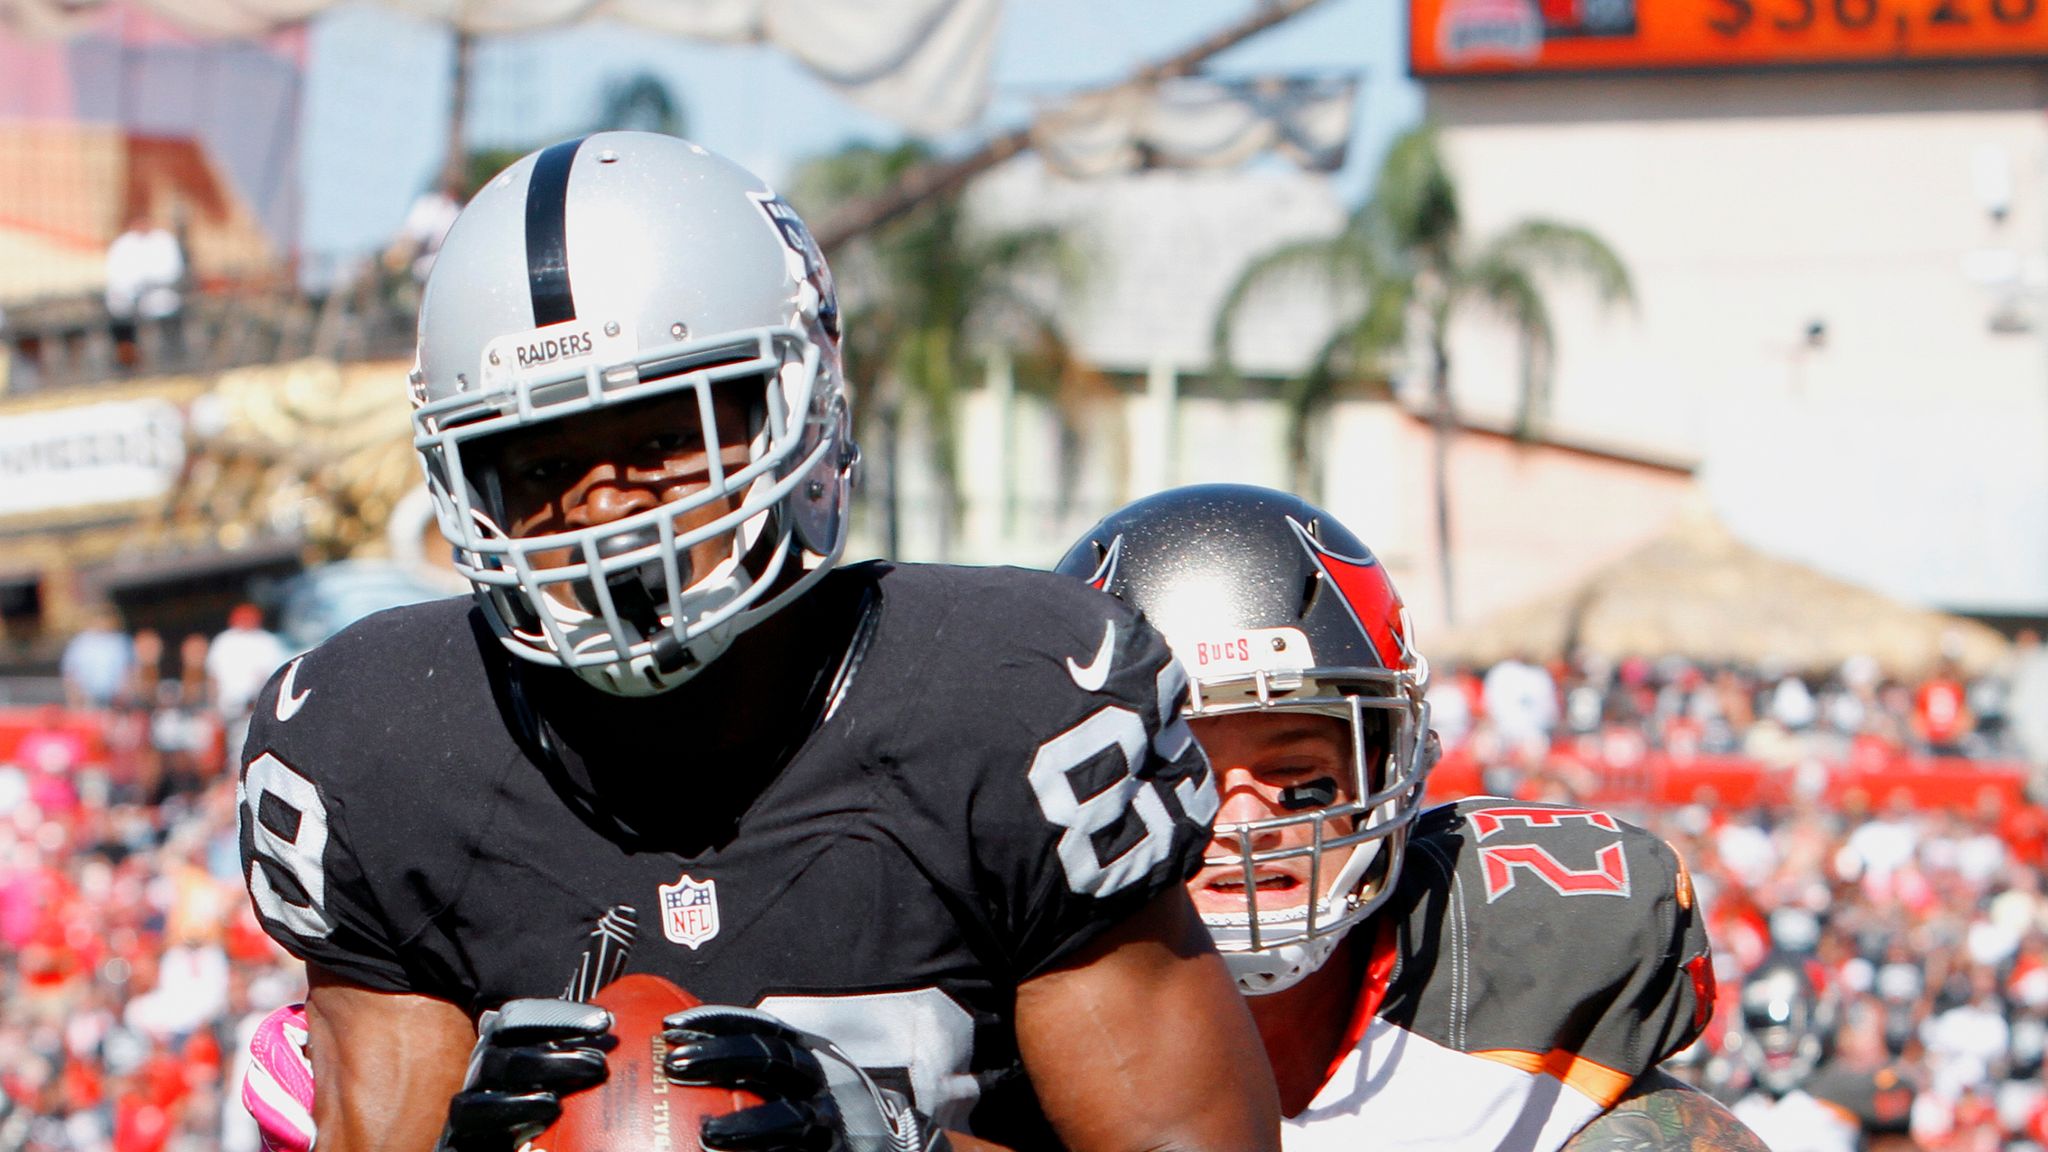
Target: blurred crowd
point(1520, 708)
point(1926, 935)
point(134, 966)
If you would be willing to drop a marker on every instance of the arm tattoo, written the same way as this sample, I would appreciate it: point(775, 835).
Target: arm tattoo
point(1663, 1114)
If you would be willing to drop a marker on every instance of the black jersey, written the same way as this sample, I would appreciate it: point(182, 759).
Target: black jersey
point(1549, 930)
point(1533, 961)
point(1000, 774)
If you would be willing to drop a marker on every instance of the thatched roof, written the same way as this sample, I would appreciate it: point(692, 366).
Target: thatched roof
point(1699, 592)
point(314, 443)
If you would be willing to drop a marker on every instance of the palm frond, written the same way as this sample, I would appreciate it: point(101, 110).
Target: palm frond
point(1017, 248)
point(1301, 398)
point(1554, 248)
point(1018, 272)
point(1358, 350)
point(643, 102)
point(1382, 328)
point(1326, 260)
point(1415, 199)
point(855, 171)
point(1509, 289)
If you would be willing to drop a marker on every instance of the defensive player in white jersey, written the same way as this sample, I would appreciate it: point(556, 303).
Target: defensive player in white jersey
point(1484, 974)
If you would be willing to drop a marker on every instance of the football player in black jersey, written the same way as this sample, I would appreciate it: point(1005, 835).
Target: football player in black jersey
point(932, 824)
point(1487, 973)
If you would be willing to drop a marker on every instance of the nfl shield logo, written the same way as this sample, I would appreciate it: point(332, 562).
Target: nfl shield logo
point(689, 911)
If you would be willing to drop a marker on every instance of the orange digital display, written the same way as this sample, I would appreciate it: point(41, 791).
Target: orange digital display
point(1478, 37)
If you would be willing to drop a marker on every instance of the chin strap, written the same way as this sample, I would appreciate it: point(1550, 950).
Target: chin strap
point(1278, 968)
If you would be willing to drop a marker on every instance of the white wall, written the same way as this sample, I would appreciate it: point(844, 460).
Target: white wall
point(1909, 449)
point(1160, 249)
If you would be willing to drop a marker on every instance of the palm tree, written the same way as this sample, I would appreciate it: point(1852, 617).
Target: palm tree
point(921, 296)
point(1403, 257)
point(640, 102)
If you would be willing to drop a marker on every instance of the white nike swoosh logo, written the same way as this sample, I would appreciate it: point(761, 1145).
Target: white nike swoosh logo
point(288, 702)
point(1090, 677)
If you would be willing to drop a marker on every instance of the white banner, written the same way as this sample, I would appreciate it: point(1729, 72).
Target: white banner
point(924, 64)
point(91, 454)
point(1197, 122)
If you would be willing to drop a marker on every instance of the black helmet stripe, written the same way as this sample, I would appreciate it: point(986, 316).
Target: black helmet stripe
point(547, 234)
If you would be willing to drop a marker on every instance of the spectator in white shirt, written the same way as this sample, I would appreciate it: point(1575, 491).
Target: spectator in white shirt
point(419, 238)
point(144, 267)
point(1966, 1045)
point(1792, 704)
point(2026, 705)
point(1879, 847)
point(1450, 712)
point(1521, 701)
point(238, 663)
point(191, 991)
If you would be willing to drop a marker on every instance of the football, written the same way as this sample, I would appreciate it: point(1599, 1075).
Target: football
point(636, 1109)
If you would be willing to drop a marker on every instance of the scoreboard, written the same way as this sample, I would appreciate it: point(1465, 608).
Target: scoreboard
point(1495, 37)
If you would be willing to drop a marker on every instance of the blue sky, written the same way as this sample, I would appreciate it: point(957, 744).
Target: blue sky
point(378, 86)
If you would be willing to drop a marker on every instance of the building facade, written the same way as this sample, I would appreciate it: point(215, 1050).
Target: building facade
point(1837, 247)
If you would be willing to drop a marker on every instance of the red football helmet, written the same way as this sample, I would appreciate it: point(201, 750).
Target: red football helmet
point(1274, 606)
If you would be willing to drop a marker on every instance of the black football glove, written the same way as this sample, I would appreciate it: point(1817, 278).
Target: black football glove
point(815, 1098)
point(528, 1055)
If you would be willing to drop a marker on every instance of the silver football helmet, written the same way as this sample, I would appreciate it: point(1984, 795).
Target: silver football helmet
point(1273, 606)
point(631, 268)
point(1787, 1024)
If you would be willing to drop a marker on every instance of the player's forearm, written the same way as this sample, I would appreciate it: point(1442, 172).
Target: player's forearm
point(1663, 1114)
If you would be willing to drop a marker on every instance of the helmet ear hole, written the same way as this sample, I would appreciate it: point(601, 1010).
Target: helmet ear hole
point(817, 508)
point(1311, 588)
